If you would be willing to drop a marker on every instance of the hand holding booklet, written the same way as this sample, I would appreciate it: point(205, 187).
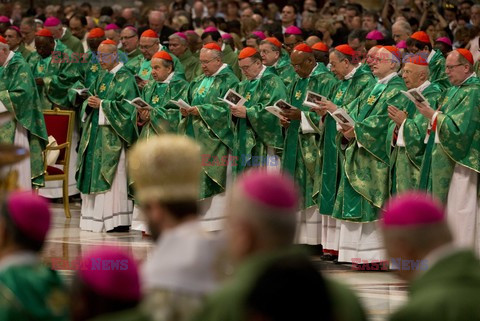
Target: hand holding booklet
point(279, 107)
point(82, 91)
point(233, 98)
point(416, 96)
point(313, 99)
point(139, 103)
point(181, 104)
point(342, 118)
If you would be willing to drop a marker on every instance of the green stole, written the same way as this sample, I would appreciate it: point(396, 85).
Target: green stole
point(145, 70)
point(198, 100)
point(291, 143)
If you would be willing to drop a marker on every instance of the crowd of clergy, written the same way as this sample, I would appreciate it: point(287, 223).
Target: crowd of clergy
point(397, 181)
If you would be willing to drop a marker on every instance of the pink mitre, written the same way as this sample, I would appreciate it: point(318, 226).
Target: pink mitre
point(210, 29)
point(401, 44)
point(30, 213)
point(375, 35)
point(52, 22)
point(445, 40)
point(259, 34)
point(412, 209)
point(112, 26)
point(227, 36)
point(275, 190)
point(111, 273)
point(292, 30)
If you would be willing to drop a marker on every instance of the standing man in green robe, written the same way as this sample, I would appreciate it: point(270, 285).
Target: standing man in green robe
point(443, 279)
point(211, 34)
point(27, 127)
point(419, 43)
point(108, 130)
point(129, 40)
point(258, 135)
point(178, 45)
point(29, 290)
point(366, 147)
point(53, 76)
point(140, 66)
point(63, 34)
point(406, 158)
point(209, 122)
point(301, 153)
point(450, 165)
point(15, 41)
point(355, 79)
point(277, 60)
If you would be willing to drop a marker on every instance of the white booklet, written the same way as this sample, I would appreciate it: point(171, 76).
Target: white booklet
point(181, 104)
point(233, 98)
point(139, 103)
point(81, 91)
point(279, 107)
point(275, 110)
point(342, 117)
point(313, 99)
point(415, 96)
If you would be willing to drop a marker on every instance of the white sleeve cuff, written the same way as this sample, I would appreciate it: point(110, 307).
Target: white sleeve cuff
point(434, 117)
point(400, 139)
point(305, 125)
point(102, 119)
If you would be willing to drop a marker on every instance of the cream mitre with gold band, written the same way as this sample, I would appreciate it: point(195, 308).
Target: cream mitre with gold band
point(165, 168)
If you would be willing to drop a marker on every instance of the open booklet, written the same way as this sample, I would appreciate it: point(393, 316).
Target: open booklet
point(342, 117)
point(233, 98)
point(139, 103)
point(279, 107)
point(415, 96)
point(313, 99)
point(81, 91)
point(181, 104)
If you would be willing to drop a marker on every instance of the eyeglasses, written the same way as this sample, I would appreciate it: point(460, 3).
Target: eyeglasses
point(206, 62)
point(146, 47)
point(450, 68)
point(126, 38)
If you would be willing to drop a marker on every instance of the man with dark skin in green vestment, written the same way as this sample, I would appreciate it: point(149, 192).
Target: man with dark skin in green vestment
point(444, 280)
point(29, 290)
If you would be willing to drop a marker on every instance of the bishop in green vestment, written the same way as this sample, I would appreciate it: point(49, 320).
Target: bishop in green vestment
point(258, 134)
point(406, 158)
point(29, 289)
point(108, 130)
point(64, 35)
point(366, 146)
point(129, 40)
point(419, 43)
point(178, 45)
point(301, 154)
point(27, 127)
point(355, 79)
point(451, 163)
point(15, 41)
point(209, 122)
point(229, 57)
point(277, 60)
point(165, 116)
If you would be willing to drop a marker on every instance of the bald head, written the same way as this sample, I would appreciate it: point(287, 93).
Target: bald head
point(385, 63)
point(156, 20)
point(458, 68)
point(401, 30)
point(312, 40)
point(414, 75)
point(303, 63)
point(108, 56)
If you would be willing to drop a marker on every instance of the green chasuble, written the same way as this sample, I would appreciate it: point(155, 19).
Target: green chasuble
point(231, 58)
point(90, 70)
point(260, 129)
point(230, 302)
point(16, 84)
point(101, 145)
point(213, 128)
point(32, 292)
point(191, 64)
point(301, 153)
point(141, 67)
point(129, 56)
point(284, 69)
point(363, 187)
point(330, 165)
point(407, 160)
point(458, 129)
point(165, 117)
point(58, 77)
point(23, 51)
point(436, 67)
point(72, 42)
point(446, 291)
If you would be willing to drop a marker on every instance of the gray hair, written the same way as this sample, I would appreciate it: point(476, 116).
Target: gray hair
point(182, 40)
point(404, 25)
point(216, 54)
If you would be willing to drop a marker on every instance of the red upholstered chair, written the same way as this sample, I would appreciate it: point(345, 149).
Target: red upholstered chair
point(60, 125)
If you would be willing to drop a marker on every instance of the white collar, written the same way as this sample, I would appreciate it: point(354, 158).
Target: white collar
point(168, 79)
point(219, 69)
point(424, 86)
point(116, 68)
point(352, 73)
point(430, 56)
point(386, 79)
point(260, 74)
point(9, 57)
point(472, 75)
point(19, 258)
point(316, 66)
point(223, 46)
point(63, 32)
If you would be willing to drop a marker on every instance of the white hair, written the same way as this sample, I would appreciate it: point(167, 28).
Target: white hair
point(215, 53)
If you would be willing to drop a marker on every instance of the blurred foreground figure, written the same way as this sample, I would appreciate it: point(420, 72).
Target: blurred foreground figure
point(184, 265)
point(28, 289)
point(444, 280)
point(272, 280)
point(107, 287)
